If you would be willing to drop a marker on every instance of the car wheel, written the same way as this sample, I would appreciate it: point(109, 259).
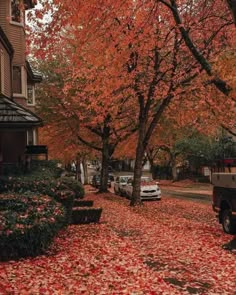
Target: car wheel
point(228, 224)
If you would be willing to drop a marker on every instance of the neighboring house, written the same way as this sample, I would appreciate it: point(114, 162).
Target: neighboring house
point(18, 123)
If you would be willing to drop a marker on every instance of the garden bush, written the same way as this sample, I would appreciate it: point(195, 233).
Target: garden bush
point(73, 185)
point(28, 223)
point(83, 203)
point(43, 179)
point(81, 215)
point(45, 169)
point(54, 188)
point(41, 184)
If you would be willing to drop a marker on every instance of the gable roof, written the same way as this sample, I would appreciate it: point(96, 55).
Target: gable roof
point(33, 76)
point(14, 115)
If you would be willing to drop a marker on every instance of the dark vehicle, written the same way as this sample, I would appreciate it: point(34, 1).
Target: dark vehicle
point(111, 177)
point(96, 180)
point(224, 200)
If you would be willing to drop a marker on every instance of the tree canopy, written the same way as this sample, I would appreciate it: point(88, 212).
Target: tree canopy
point(136, 59)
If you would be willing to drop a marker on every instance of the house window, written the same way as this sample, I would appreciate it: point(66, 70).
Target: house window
point(16, 11)
point(17, 79)
point(31, 137)
point(30, 94)
point(2, 82)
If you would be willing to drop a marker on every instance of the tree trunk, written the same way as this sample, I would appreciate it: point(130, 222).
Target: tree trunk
point(78, 170)
point(173, 167)
point(84, 163)
point(105, 160)
point(135, 199)
point(174, 173)
point(152, 168)
point(151, 155)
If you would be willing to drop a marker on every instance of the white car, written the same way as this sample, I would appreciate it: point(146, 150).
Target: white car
point(120, 183)
point(149, 189)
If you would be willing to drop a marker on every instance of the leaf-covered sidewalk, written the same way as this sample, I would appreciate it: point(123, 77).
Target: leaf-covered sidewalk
point(167, 247)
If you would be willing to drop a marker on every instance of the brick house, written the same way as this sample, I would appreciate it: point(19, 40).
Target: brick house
point(18, 123)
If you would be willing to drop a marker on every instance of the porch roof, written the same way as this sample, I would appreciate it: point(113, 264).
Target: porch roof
point(14, 115)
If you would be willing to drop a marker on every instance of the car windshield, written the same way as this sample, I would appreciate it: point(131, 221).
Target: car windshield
point(124, 178)
point(146, 179)
point(110, 177)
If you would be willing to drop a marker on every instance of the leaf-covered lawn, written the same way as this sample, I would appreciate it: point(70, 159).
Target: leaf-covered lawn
point(168, 247)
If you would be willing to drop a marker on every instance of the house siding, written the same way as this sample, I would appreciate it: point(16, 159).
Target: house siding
point(17, 39)
point(15, 33)
point(4, 10)
point(7, 72)
point(15, 120)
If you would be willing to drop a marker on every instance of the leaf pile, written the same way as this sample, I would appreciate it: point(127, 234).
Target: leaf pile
point(167, 247)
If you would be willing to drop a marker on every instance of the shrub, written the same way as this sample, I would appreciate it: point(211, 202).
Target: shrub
point(38, 168)
point(66, 198)
point(28, 224)
point(45, 169)
point(81, 215)
point(73, 185)
point(83, 203)
point(42, 185)
point(54, 188)
point(63, 189)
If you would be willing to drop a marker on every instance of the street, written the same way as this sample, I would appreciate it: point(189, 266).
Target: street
point(198, 192)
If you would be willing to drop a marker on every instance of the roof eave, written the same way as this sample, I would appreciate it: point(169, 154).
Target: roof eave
point(37, 121)
point(20, 124)
point(36, 78)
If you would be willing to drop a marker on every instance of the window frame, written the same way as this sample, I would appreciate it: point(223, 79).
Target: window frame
point(33, 136)
point(23, 82)
point(33, 95)
point(2, 71)
point(21, 23)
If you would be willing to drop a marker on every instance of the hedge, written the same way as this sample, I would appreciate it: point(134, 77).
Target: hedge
point(28, 223)
point(73, 185)
point(44, 169)
point(81, 215)
point(63, 189)
point(83, 203)
point(40, 184)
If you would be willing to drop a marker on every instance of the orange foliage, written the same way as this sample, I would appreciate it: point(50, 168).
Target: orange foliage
point(137, 61)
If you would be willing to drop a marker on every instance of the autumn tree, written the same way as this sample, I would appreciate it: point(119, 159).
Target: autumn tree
point(76, 120)
point(232, 7)
point(143, 55)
